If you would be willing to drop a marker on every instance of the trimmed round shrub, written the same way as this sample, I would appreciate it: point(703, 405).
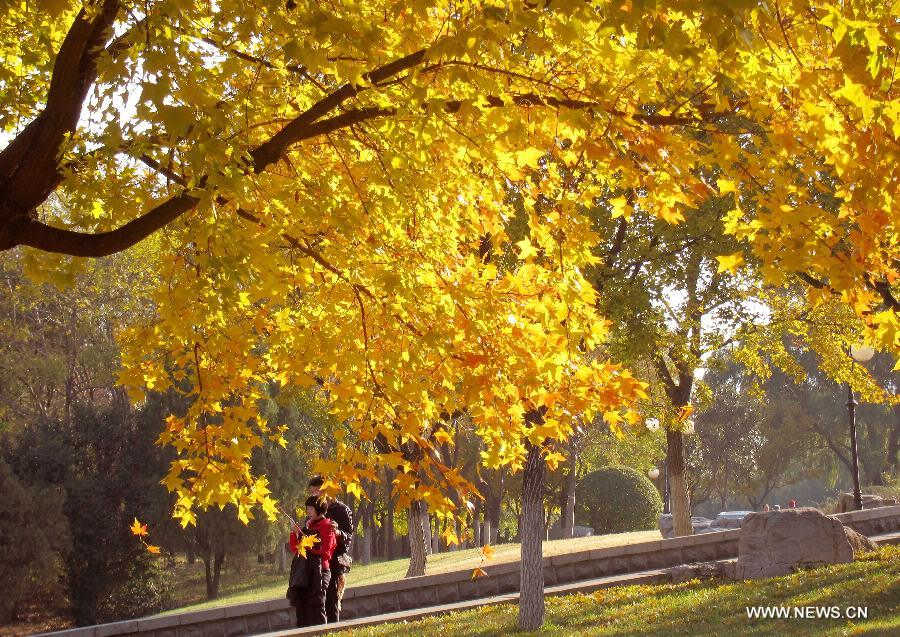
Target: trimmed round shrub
point(617, 500)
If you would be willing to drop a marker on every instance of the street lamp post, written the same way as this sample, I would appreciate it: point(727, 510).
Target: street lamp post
point(665, 466)
point(859, 354)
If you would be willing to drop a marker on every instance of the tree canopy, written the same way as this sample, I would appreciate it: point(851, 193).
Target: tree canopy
point(327, 188)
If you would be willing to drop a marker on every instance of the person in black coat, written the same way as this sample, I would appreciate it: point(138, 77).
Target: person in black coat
point(340, 562)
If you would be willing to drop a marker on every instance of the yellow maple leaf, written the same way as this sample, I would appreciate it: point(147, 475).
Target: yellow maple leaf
point(354, 489)
point(526, 249)
point(487, 551)
point(730, 262)
point(478, 572)
point(726, 186)
point(138, 529)
point(553, 459)
point(620, 208)
point(306, 542)
point(442, 436)
point(153, 549)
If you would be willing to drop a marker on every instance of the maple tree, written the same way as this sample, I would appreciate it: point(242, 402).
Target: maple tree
point(327, 181)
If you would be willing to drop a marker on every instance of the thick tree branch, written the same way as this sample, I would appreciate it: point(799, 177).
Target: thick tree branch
point(83, 244)
point(38, 235)
point(270, 151)
point(883, 288)
point(29, 164)
point(74, 73)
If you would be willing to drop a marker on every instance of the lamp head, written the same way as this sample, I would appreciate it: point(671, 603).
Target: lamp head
point(861, 353)
point(653, 473)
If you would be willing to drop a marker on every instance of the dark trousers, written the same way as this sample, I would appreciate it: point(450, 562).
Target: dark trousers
point(333, 597)
point(311, 607)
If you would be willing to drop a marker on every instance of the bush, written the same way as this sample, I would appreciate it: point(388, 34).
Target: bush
point(34, 539)
point(145, 590)
point(616, 500)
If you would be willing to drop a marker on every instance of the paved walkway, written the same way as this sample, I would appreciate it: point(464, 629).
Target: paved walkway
point(654, 576)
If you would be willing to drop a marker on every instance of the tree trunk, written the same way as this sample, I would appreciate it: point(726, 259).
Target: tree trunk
point(389, 525)
point(213, 567)
point(281, 555)
point(435, 536)
point(476, 524)
point(365, 547)
point(494, 507)
point(426, 526)
point(217, 572)
point(487, 532)
point(418, 539)
point(531, 596)
point(567, 518)
point(681, 504)
point(893, 450)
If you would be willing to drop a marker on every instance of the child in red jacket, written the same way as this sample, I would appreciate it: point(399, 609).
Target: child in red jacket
point(311, 608)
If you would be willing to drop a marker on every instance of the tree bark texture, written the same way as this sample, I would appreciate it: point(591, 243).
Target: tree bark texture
point(681, 503)
point(418, 539)
point(531, 596)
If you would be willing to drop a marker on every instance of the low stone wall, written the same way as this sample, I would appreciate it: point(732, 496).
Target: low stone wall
point(444, 588)
point(872, 521)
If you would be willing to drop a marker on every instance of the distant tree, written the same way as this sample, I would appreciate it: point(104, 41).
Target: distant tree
point(749, 444)
point(34, 544)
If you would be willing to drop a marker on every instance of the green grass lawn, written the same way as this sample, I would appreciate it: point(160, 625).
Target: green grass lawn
point(699, 607)
point(248, 581)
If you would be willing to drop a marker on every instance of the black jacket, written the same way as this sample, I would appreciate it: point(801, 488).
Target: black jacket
point(343, 517)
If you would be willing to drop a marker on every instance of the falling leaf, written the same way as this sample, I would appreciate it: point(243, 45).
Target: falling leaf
point(139, 529)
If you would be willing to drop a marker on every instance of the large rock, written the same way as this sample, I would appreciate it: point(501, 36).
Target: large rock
point(846, 502)
point(777, 542)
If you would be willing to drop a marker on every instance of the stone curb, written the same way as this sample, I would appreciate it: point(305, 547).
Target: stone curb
point(457, 587)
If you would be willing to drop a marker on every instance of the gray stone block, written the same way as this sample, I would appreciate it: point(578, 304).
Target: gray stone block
point(389, 602)
point(619, 565)
point(282, 619)
point(508, 582)
point(638, 562)
point(701, 553)
point(260, 623)
point(585, 570)
point(447, 593)
point(467, 590)
point(116, 628)
point(728, 549)
point(207, 629)
point(566, 573)
point(364, 606)
point(550, 578)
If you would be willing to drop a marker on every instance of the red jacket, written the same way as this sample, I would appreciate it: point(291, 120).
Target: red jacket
point(324, 548)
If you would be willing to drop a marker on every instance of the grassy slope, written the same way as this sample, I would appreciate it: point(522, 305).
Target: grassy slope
point(699, 608)
point(253, 582)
